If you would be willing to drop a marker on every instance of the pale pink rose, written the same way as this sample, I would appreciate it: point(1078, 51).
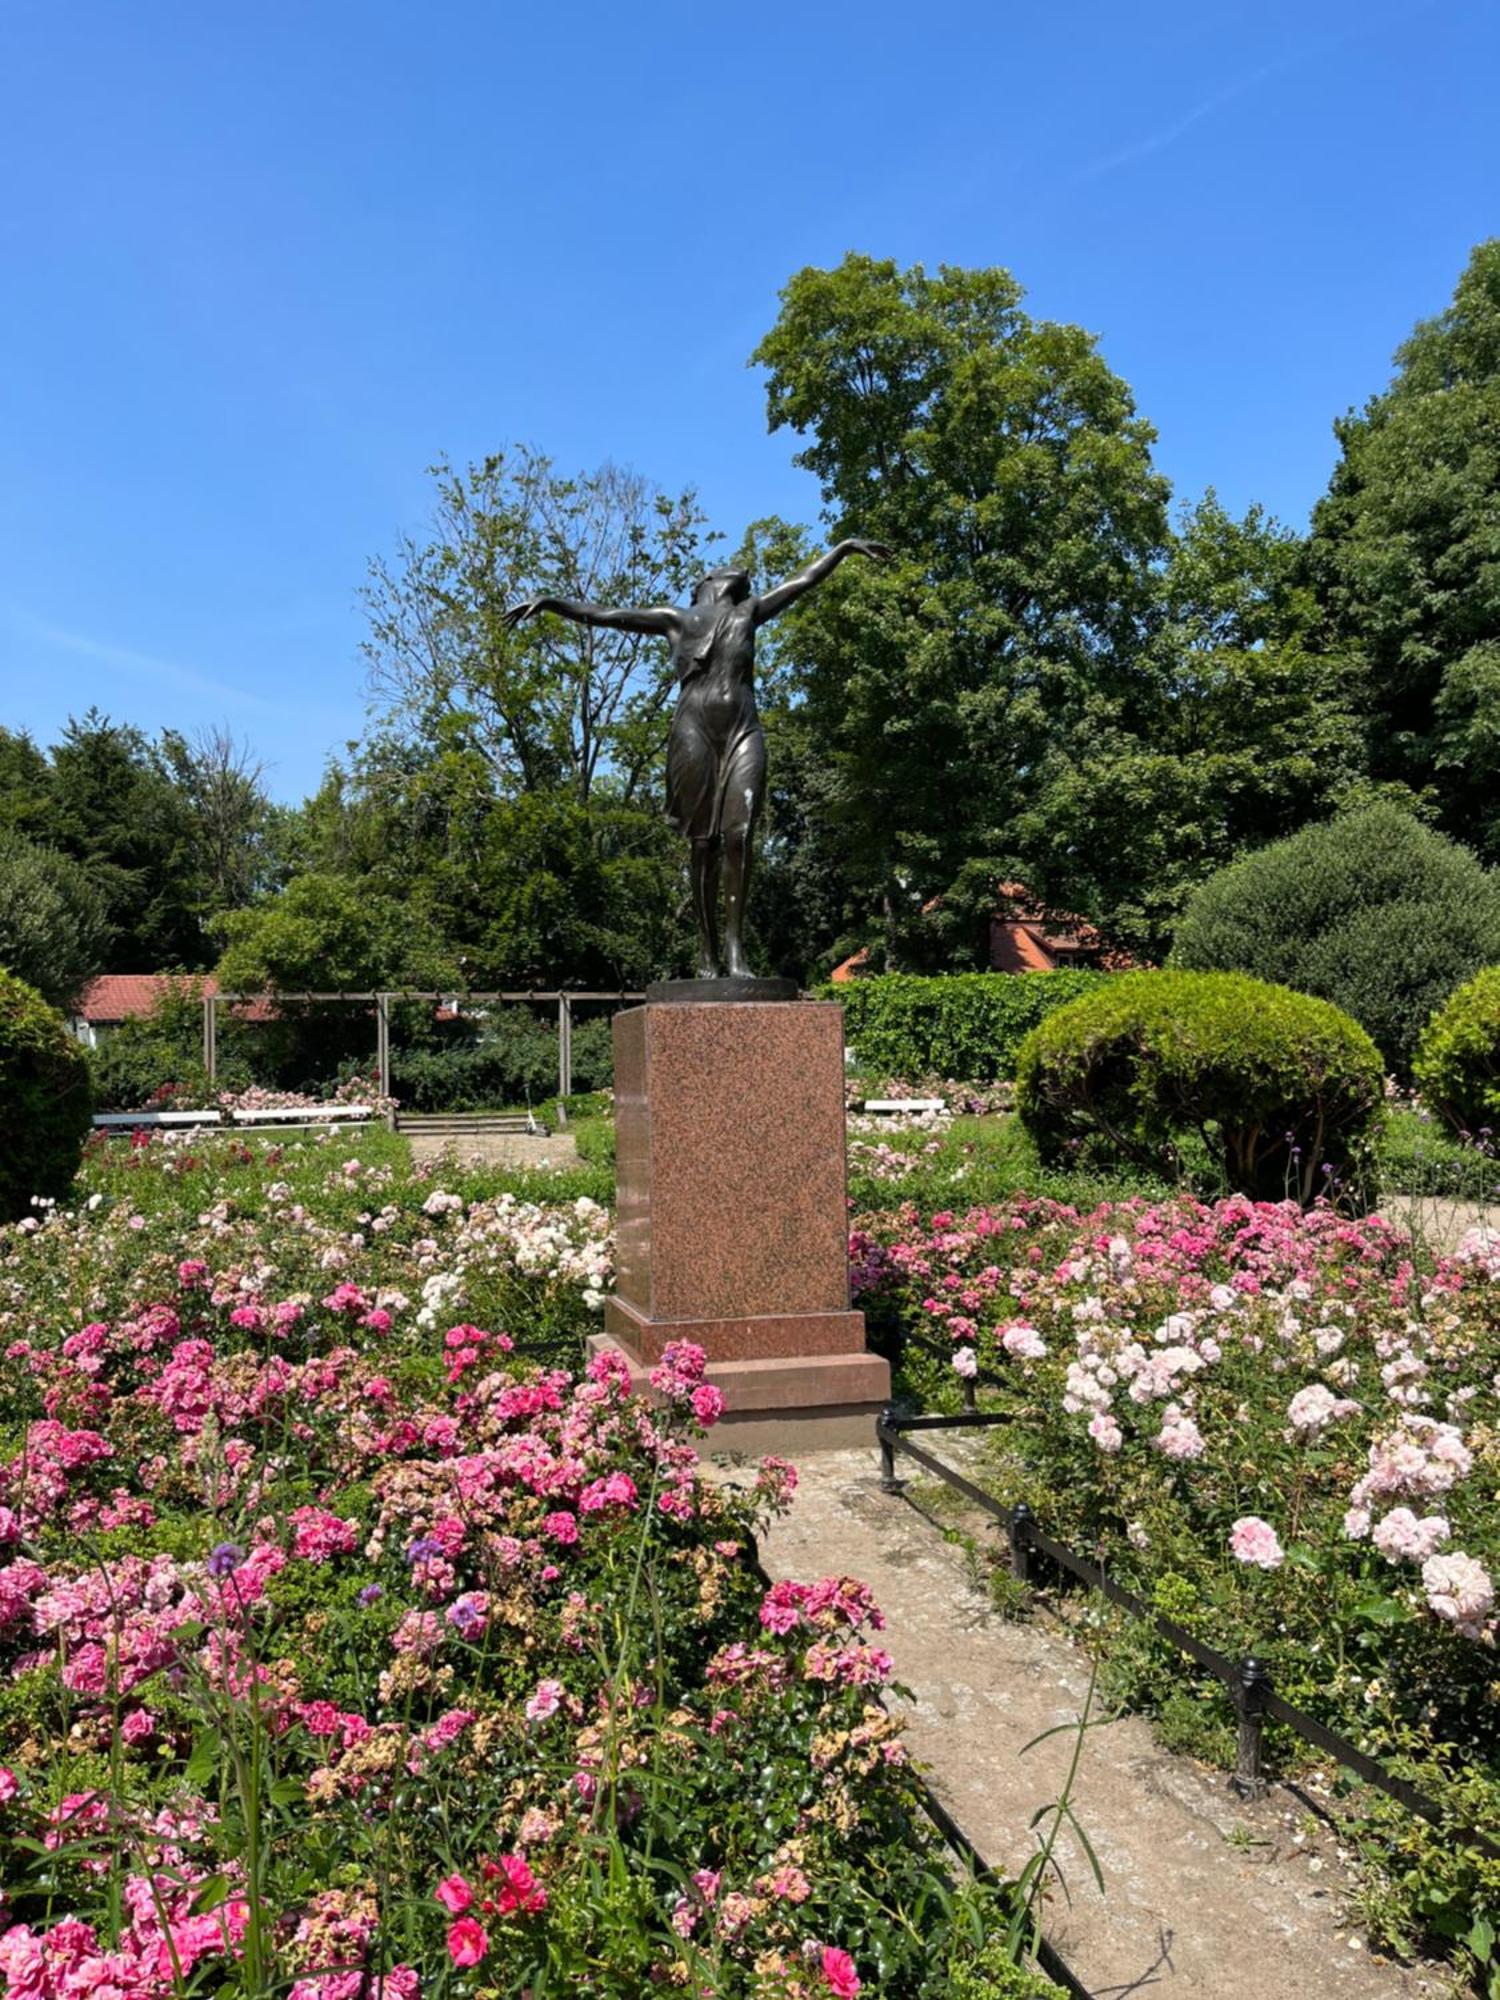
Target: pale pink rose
point(1252, 1540)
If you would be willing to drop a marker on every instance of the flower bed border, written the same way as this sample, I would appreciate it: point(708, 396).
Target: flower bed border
point(1047, 1957)
point(1248, 1680)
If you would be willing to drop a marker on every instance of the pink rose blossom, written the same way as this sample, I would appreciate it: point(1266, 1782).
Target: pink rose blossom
point(468, 1941)
point(1253, 1541)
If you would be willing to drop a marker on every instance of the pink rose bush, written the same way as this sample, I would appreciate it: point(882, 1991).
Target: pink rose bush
point(349, 1645)
point(1277, 1425)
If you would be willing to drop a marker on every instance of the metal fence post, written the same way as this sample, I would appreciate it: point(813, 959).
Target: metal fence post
point(885, 1437)
point(1018, 1528)
point(967, 1393)
point(1250, 1688)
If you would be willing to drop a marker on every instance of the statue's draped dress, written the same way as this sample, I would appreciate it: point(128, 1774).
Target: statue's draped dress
point(716, 752)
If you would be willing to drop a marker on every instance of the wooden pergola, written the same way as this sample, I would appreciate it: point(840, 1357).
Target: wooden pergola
point(381, 1002)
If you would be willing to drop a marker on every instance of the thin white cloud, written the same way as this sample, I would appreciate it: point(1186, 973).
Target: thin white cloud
point(1169, 134)
point(143, 666)
point(1156, 142)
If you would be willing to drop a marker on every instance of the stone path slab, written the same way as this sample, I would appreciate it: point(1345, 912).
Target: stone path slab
point(1204, 1894)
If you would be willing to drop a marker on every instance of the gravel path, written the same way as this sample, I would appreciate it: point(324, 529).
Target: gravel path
point(1204, 1894)
point(498, 1149)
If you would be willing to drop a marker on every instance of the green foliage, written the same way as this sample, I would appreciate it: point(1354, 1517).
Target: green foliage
point(513, 1060)
point(1284, 1090)
point(54, 933)
point(158, 1057)
point(167, 832)
point(966, 1025)
point(1403, 557)
point(1235, 730)
point(1457, 1068)
point(1420, 1156)
point(44, 1099)
point(1372, 911)
point(990, 1974)
point(1005, 463)
point(325, 933)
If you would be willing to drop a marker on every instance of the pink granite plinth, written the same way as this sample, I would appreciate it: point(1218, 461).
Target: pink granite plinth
point(732, 1222)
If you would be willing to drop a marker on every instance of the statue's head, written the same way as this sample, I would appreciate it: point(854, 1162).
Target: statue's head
point(722, 584)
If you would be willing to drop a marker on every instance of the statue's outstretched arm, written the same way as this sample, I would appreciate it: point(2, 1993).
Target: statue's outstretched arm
point(660, 620)
point(777, 600)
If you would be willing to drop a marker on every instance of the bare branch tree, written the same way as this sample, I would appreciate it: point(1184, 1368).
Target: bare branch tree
point(549, 706)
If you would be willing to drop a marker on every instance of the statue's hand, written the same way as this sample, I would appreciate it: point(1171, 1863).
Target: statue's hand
point(880, 552)
point(518, 613)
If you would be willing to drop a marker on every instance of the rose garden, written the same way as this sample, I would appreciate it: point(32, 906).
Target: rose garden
point(537, 1461)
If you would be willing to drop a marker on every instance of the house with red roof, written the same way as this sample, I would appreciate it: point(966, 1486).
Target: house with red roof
point(1027, 936)
point(130, 996)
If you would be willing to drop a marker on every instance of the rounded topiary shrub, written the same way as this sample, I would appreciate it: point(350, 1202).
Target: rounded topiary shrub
point(44, 1099)
point(1284, 1090)
point(1458, 1061)
point(1373, 911)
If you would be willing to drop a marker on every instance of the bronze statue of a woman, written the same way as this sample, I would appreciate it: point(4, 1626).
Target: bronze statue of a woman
point(716, 752)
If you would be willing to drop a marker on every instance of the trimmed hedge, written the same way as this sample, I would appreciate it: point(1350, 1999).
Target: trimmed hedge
point(1457, 1068)
point(966, 1025)
point(1372, 911)
point(1284, 1090)
point(44, 1099)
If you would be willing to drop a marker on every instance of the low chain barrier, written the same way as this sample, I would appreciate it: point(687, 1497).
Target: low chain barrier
point(1248, 1680)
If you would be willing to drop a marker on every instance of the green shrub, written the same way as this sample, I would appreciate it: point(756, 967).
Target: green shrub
point(512, 1059)
point(967, 1025)
point(1458, 1062)
point(1285, 1090)
point(44, 1099)
point(157, 1058)
point(990, 1975)
point(1372, 911)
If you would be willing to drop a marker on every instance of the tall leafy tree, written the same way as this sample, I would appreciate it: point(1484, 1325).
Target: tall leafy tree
point(54, 933)
point(223, 783)
point(549, 704)
point(511, 790)
point(114, 806)
point(1234, 729)
point(1405, 554)
point(1007, 465)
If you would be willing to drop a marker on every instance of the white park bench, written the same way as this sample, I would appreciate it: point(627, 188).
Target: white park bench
point(910, 1106)
point(132, 1120)
point(303, 1114)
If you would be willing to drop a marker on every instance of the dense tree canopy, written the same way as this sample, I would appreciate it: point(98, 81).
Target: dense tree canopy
point(1234, 729)
point(1006, 464)
point(167, 834)
point(1055, 681)
point(1405, 552)
point(54, 933)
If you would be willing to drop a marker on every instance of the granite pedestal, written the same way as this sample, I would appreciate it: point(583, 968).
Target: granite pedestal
point(732, 1222)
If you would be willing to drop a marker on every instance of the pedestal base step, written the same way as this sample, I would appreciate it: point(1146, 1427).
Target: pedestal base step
point(758, 1337)
point(784, 1403)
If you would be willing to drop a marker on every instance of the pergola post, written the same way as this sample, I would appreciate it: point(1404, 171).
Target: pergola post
point(564, 1051)
point(383, 1042)
point(210, 1036)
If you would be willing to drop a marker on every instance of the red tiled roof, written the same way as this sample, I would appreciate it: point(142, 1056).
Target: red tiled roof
point(130, 996)
point(1025, 936)
point(1015, 947)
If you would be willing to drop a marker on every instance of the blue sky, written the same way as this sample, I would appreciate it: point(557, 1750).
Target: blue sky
point(259, 266)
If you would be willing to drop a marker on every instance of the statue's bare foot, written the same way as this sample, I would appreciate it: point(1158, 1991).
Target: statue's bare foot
point(707, 969)
point(738, 966)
